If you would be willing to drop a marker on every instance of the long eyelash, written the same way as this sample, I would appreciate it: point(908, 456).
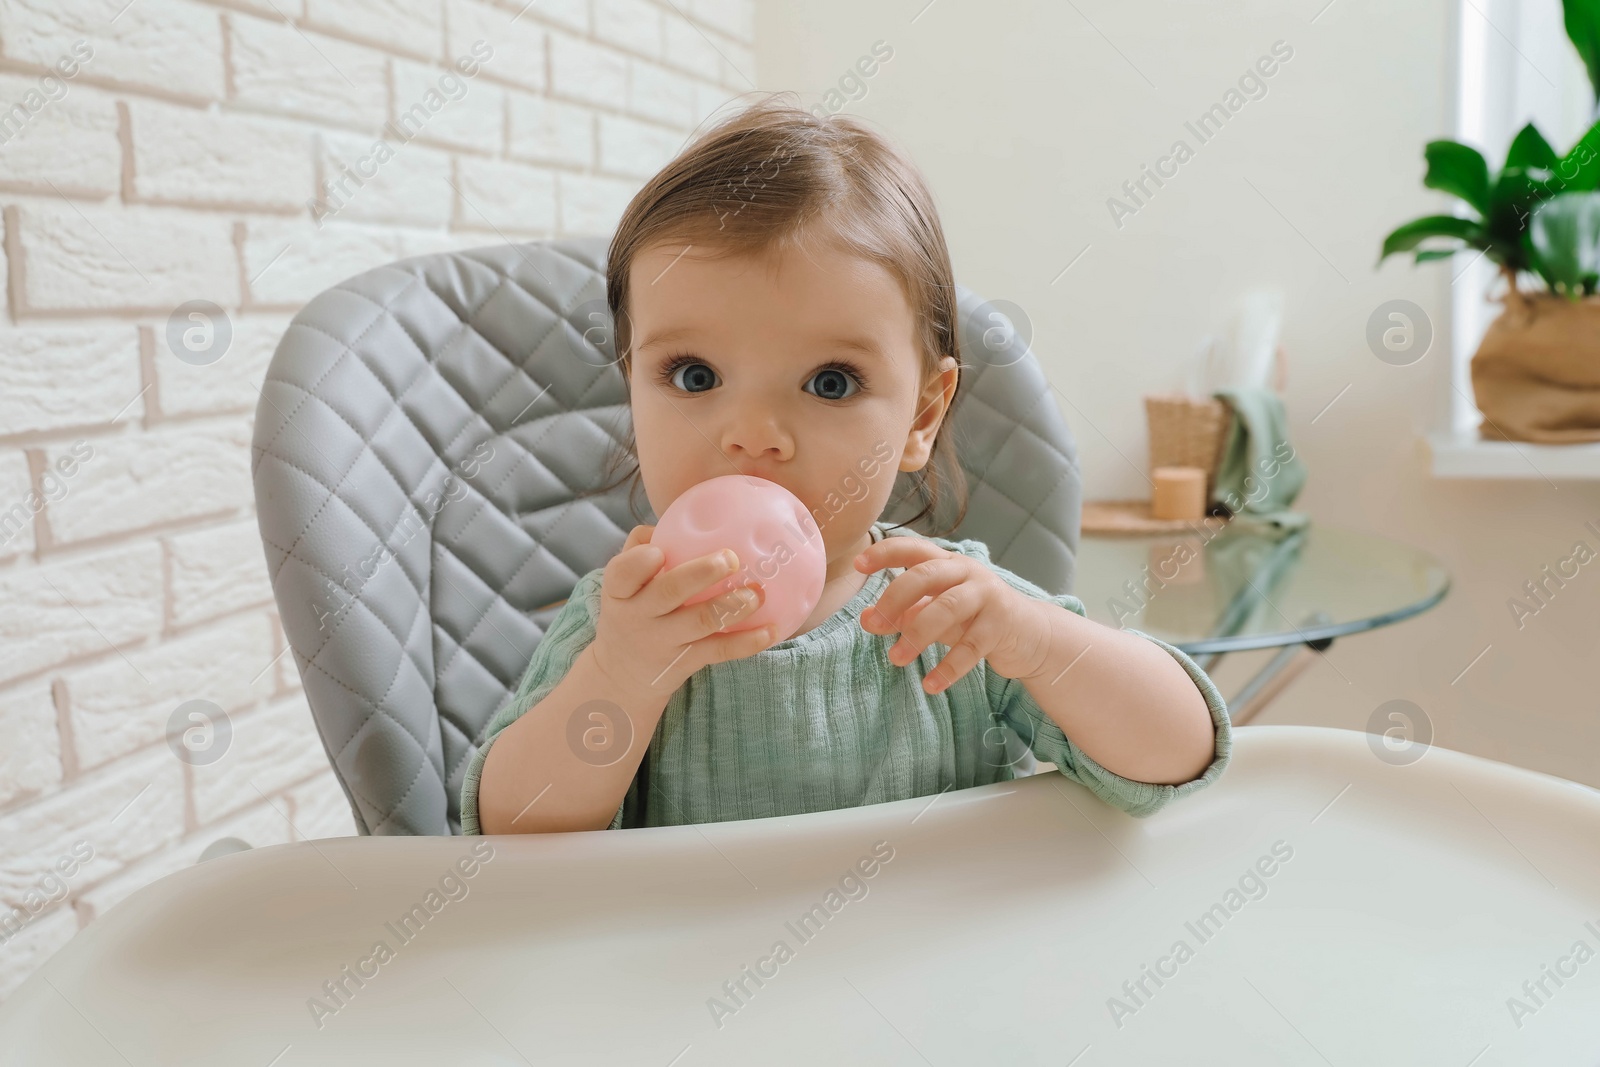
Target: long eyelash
point(862, 381)
point(670, 367)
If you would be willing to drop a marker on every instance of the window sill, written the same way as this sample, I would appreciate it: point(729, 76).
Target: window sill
point(1465, 455)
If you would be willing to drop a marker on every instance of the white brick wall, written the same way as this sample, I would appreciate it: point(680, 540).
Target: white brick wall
point(196, 156)
point(213, 149)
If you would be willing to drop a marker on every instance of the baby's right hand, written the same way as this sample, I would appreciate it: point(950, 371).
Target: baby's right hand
point(646, 637)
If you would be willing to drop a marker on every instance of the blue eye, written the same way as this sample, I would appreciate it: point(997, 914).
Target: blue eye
point(699, 373)
point(835, 377)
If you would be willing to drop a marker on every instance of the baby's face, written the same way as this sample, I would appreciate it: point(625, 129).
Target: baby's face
point(799, 366)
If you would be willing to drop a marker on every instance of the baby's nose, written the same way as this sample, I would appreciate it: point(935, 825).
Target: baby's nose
point(757, 437)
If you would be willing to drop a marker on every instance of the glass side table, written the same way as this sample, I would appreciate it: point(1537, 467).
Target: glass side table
point(1216, 590)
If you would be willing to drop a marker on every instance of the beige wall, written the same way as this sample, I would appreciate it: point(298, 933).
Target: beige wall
point(1026, 118)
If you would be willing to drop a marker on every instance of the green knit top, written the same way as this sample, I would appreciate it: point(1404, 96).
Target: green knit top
point(823, 720)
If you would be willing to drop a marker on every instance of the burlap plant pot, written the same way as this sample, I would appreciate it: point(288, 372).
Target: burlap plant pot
point(1536, 376)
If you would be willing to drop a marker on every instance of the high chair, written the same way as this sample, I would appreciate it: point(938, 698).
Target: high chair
point(423, 434)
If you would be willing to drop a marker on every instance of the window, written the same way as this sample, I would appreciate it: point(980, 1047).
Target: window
point(1515, 65)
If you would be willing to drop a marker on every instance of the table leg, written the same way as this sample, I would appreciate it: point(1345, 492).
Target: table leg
point(1271, 680)
point(1274, 678)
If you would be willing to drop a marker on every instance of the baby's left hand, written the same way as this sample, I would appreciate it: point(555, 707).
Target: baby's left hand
point(950, 599)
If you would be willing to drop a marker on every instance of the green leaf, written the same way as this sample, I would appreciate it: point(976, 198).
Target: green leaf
point(1428, 254)
point(1517, 193)
point(1530, 149)
point(1579, 169)
point(1460, 170)
point(1565, 235)
point(1583, 26)
point(1406, 237)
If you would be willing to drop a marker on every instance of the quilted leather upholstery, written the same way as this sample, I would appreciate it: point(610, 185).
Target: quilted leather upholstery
point(421, 435)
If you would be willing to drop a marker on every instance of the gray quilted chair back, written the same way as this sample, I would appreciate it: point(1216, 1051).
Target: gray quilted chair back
point(423, 435)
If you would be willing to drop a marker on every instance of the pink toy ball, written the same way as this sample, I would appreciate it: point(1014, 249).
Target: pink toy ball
point(777, 541)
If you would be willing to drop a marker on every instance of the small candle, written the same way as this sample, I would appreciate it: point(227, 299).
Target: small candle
point(1179, 493)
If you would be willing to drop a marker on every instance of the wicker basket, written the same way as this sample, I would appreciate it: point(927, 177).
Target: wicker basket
point(1188, 431)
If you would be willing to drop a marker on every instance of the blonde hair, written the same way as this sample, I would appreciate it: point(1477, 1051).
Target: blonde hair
point(766, 178)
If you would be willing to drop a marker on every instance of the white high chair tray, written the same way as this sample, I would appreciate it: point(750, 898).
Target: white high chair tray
point(1359, 913)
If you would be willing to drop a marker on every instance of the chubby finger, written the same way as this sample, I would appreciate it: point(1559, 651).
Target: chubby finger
point(718, 613)
point(720, 647)
point(881, 625)
point(961, 658)
point(967, 642)
point(927, 579)
point(639, 535)
point(944, 620)
point(630, 571)
point(898, 552)
point(911, 613)
point(693, 577)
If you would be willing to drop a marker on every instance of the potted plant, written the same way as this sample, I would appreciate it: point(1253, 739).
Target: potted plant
point(1536, 374)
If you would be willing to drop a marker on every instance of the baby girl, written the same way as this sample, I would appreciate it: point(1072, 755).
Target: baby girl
point(785, 309)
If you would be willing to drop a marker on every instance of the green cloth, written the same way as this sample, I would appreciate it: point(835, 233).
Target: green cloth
point(824, 720)
point(1252, 570)
point(1259, 474)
